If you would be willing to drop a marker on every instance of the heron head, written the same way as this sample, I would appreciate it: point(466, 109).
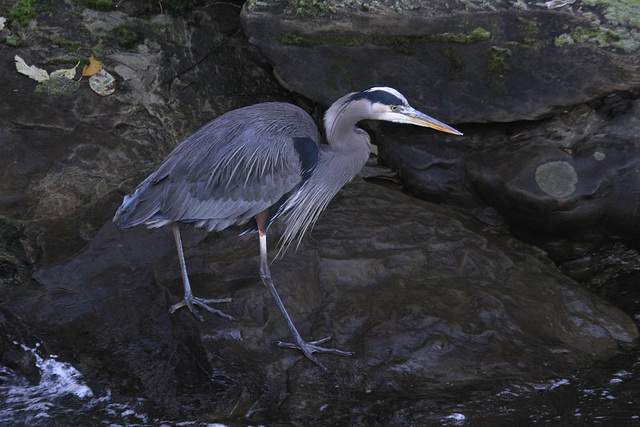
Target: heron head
point(385, 103)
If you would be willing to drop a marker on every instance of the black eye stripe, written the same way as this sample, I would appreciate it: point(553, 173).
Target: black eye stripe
point(381, 96)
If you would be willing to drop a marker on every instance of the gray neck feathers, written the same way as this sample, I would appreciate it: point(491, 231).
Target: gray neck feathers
point(338, 164)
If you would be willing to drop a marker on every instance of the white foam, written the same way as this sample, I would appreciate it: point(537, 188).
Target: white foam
point(58, 378)
point(457, 418)
point(25, 401)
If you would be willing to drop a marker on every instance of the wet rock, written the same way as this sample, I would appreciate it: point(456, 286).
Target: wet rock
point(559, 189)
point(14, 339)
point(17, 257)
point(428, 302)
point(461, 62)
point(557, 177)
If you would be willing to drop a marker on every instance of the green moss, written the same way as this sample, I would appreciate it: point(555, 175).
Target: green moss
point(475, 36)
point(102, 5)
point(614, 23)
point(619, 37)
point(401, 44)
point(126, 37)
point(563, 40)
point(14, 41)
point(69, 46)
point(479, 35)
point(456, 65)
point(23, 12)
point(519, 4)
point(528, 43)
point(46, 8)
point(497, 61)
point(582, 35)
point(295, 40)
point(531, 28)
point(618, 12)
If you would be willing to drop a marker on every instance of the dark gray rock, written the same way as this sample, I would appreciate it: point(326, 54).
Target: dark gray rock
point(556, 177)
point(461, 62)
point(14, 335)
point(427, 300)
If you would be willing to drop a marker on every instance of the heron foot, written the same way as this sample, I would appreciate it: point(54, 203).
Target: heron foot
point(190, 302)
point(308, 348)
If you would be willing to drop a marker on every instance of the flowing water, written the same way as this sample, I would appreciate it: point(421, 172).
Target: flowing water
point(59, 398)
point(607, 394)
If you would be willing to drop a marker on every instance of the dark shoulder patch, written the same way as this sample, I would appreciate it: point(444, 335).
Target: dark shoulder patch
point(380, 96)
point(308, 152)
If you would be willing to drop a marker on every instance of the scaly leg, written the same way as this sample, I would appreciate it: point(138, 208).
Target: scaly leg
point(189, 300)
point(308, 348)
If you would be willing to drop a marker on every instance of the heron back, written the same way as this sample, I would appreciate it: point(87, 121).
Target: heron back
point(228, 171)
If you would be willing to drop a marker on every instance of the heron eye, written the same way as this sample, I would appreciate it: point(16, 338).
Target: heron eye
point(394, 108)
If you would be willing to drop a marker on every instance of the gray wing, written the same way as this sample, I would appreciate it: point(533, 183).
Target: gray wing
point(227, 172)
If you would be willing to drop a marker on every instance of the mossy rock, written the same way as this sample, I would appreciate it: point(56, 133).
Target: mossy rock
point(471, 61)
point(127, 37)
point(101, 5)
point(24, 11)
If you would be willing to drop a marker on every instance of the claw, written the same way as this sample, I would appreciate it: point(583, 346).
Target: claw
point(308, 348)
point(190, 302)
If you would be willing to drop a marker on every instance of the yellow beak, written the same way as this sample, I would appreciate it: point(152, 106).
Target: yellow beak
point(413, 116)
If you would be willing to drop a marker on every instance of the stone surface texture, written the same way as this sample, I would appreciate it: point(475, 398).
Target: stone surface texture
point(460, 61)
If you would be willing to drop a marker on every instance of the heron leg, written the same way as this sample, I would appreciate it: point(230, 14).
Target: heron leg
point(189, 300)
point(308, 348)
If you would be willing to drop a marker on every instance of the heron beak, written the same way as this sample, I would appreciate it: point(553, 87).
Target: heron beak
point(413, 116)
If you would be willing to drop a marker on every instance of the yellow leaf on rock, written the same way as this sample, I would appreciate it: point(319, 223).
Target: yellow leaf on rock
point(69, 73)
point(93, 68)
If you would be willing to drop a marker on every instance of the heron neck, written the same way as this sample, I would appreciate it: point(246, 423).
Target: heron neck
point(340, 122)
point(349, 148)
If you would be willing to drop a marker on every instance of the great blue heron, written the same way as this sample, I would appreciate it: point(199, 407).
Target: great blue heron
point(255, 164)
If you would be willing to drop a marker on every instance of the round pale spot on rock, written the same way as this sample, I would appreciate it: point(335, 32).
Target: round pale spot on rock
point(599, 156)
point(557, 179)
